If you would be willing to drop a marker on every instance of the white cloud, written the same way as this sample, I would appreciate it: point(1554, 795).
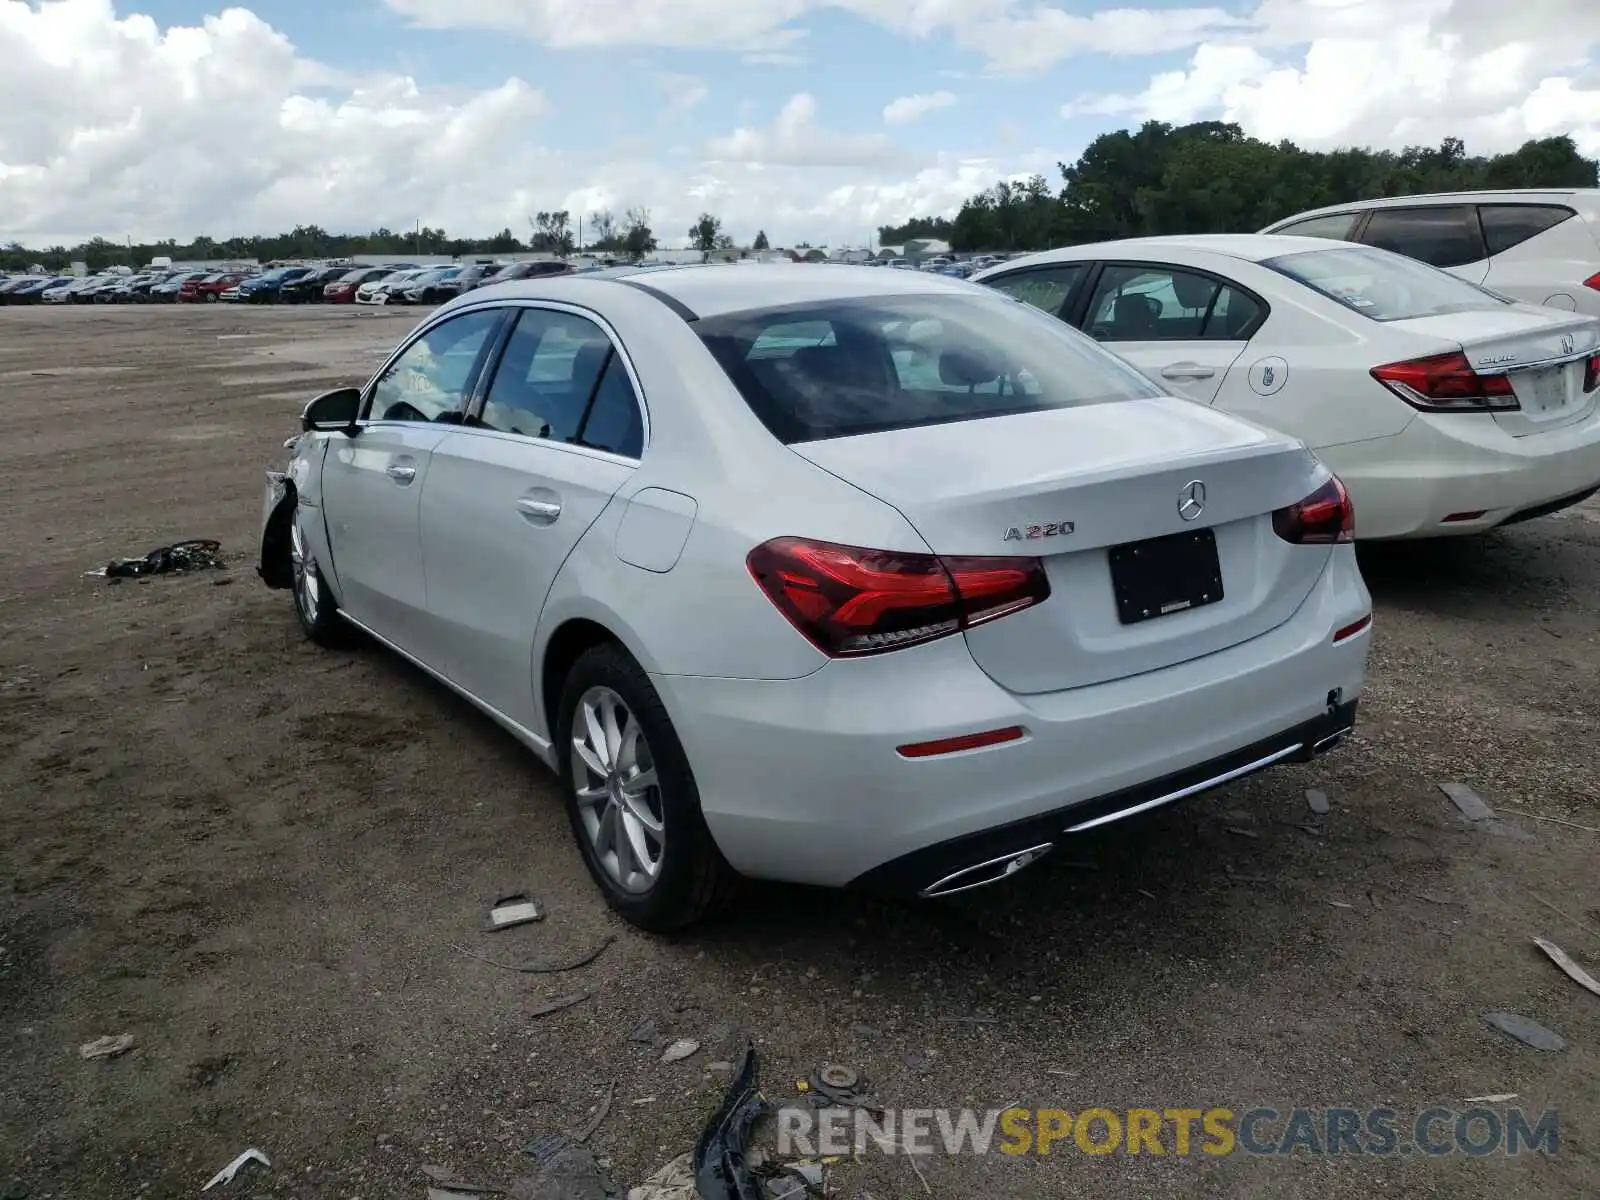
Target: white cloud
point(905, 109)
point(1389, 73)
point(795, 139)
point(682, 92)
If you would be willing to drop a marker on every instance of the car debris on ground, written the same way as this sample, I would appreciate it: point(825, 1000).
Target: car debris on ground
point(196, 554)
point(509, 911)
point(107, 1047)
point(1573, 971)
point(1468, 801)
point(680, 1050)
point(1529, 1033)
point(1318, 802)
point(228, 1172)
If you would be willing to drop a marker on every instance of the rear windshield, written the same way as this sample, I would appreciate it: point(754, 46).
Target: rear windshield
point(845, 367)
point(1382, 285)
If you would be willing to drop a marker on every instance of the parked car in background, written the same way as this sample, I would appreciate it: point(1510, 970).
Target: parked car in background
point(423, 289)
point(1444, 408)
point(15, 283)
point(377, 291)
point(32, 290)
point(342, 290)
point(132, 290)
point(449, 287)
point(1542, 247)
point(538, 269)
point(1104, 600)
point(264, 288)
point(166, 291)
point(61, 291)
point(208, 289)
point(308, 287)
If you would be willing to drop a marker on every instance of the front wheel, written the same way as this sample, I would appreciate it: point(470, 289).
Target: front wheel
point(631, 796)
point(313, 600)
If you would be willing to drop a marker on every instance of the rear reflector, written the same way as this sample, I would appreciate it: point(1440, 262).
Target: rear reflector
point(849, 601)
point(967, 741)
point(1355, 627)
point(1321, 519)
point(1447, 383)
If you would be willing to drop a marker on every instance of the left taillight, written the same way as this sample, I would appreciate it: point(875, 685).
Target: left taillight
point(1324, 518)
point(850, 601)
point(1591, 373)
point(1446, 383)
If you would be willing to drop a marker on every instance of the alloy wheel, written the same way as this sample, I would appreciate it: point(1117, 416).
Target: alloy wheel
point(307, 587)
point(619, 798)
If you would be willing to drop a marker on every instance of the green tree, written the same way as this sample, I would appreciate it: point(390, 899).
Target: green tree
point(552, 233)
point(637, 238)
point(761, 242)
point(703, 234)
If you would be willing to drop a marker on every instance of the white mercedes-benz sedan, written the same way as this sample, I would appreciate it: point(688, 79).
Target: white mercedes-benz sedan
point(839, 577)
point(1445, 408)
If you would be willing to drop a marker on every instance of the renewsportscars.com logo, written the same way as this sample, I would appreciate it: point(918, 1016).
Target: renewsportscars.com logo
point(1374, 1132)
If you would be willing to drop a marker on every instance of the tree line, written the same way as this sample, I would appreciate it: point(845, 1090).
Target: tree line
point(1206, 177)
point(1209, 177)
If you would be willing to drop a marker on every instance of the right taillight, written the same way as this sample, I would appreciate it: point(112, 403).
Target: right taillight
point(1593, 281)
point(1446, 383)
point(849, 601)
point(1591, 373)
point(1321, 519)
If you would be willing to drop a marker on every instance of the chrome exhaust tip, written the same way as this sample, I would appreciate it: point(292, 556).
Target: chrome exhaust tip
point(990, 871)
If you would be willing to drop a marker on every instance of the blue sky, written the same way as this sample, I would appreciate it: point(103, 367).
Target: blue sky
point(779, 115)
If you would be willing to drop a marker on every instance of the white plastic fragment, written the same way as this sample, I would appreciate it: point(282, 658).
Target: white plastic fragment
point(679, 1050)
point(228, 1172)
point(1574, 972)
point(1471, 805)
point(107, 1047)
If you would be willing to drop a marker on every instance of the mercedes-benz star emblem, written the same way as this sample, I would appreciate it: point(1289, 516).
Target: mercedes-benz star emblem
point(1192, 500)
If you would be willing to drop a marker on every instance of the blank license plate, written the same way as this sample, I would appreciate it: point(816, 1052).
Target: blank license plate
point(1165, 575)
point(1548, 388)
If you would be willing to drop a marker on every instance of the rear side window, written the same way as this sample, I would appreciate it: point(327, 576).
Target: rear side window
point(1046, 288)
point(1508, 225)
point(878, 363)
point(1384, 287)
point(1334, 225)
point(1138, 303)
point(1440, 237)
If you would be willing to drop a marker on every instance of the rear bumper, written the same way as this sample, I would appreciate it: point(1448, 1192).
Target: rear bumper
point(1408, 485)
point(964, 863)
point(801, 779)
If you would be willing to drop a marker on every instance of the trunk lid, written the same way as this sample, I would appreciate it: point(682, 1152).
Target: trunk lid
point(1540, 350)
point(1116, 474)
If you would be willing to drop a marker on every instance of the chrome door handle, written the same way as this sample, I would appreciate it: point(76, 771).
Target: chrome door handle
point(1187, 371)
point(400, 473)
point(540, 512)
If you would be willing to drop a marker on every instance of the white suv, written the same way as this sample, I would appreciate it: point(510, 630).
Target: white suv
point(1540, 247)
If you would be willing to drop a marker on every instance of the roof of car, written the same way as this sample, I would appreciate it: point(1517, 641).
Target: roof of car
point(1251, 247)
point(709, 290)
point(1485, 195)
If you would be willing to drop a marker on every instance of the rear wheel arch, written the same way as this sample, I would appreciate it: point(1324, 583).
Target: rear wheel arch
point(568, 643)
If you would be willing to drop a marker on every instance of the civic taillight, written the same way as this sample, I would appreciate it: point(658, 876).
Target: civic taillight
point(849, 601)
point(1447, 383)
point(1591, 373)
point(1321, 519)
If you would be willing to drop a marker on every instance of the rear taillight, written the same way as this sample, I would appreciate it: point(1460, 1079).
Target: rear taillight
point(1321, 519)
point(1593, 281)
point(1446, 383)
point(1591, 373)
point(850, 601)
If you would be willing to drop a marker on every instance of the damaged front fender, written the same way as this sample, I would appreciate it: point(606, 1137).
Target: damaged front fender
point(277, 512)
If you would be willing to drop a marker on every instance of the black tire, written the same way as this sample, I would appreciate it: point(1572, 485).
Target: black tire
point(314, 603)
point(211, 297)
point(694, 879)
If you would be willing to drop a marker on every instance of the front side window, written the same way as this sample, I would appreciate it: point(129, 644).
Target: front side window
point(1441, 237)
point(560, 379)
point(1136, 303)
point(843, 367)
point(431, 379)
point(1383, 286)
point(1046, 288)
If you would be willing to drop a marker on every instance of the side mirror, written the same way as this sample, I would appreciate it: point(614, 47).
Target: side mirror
point(333, 412)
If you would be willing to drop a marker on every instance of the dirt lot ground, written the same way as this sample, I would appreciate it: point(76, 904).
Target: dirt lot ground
point(264, 861)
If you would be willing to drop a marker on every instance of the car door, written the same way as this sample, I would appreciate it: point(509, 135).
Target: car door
point(372, 482)
point(557, 429)
point(1180, 326)
point(1447, 236)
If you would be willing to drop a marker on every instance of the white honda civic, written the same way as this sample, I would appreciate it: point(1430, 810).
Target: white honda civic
point(839, 577)
point(1445, 408)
